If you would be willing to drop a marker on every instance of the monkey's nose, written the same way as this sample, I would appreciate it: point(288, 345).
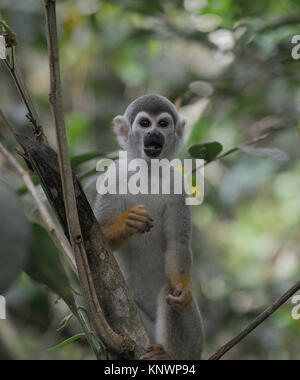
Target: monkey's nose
point(153, 133)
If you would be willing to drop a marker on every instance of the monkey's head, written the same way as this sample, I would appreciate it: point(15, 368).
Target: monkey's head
point(150, 128)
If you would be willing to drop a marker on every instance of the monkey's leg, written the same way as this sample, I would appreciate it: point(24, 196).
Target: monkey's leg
point(180, 332)
point(134, 220)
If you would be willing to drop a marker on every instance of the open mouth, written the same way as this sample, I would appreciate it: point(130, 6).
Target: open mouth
point(153, 145)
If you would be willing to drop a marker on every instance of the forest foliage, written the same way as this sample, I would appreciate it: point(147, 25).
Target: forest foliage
point(228, 65)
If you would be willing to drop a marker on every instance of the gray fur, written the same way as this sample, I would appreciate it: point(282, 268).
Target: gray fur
point(143, 260)
point(152, 104)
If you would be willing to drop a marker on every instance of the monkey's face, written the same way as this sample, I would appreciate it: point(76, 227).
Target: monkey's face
point(155, 135)
point(150, 128)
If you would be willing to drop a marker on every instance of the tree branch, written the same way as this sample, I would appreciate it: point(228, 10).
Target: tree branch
point(107, 334)
point(91, 252)
point(289, 19)
point(259, 320)
point(7, 123)
point(250, 142)
point(32, 115)
point(270, 132)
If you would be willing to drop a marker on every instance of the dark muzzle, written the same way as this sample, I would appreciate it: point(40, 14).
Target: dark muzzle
point(153, 143)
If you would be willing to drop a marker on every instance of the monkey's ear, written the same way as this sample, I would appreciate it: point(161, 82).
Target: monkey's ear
point(180, 128)
point(121, 128)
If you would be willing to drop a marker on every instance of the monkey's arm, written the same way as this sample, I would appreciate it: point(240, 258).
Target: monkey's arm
point(177, 224)
point(119, 227)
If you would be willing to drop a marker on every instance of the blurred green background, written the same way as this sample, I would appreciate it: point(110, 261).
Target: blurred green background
point(228, 63)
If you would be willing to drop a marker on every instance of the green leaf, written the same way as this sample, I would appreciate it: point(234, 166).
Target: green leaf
point(77, 128)
point(44, 263)
point(10, 35)
point(207, 151)
point(78, 160)
point(67, 342)
point(273, 153)
point(15, 237)
point(64, 322)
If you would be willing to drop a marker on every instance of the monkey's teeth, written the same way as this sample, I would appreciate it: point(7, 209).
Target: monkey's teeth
point(153, 146)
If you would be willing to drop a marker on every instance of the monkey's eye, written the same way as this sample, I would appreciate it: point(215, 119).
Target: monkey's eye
point(145, 123)
point(164, 123)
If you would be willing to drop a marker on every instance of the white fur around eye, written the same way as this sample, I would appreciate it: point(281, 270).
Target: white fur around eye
point(167, 117)
point(141, 116)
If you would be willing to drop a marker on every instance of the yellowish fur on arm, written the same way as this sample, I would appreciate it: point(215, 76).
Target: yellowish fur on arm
point(178, 274)
point(180, 296)
point(119, 230)
point(116, 232)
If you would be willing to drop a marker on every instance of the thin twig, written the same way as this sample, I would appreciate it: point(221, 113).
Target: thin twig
point(259, 320)
point(13, 68)
point(289, 19)
point(46, 217)
point(110, 338)
point(7, 122)
point(32, 113)
point(237, 148)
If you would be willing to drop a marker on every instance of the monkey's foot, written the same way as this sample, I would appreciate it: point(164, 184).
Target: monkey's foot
point(138, 220)
point(180, 298)
point(156, 352)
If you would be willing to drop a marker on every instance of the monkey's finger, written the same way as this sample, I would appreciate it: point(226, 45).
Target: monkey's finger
point(171, 299)
point(175, 305)
point(177, 290)
point(140, 218)
point(178, 306)
point(180, 303)
point(138, 208)
point(185, 297)
point(139, 226)
point(131, 230)
point(142, 212)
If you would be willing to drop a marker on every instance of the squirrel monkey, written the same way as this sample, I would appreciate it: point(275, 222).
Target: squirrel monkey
point(150, 235)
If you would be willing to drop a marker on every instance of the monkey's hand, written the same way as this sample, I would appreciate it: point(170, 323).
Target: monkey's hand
point(138, 220)
point(180, 297)
point(134, 220)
